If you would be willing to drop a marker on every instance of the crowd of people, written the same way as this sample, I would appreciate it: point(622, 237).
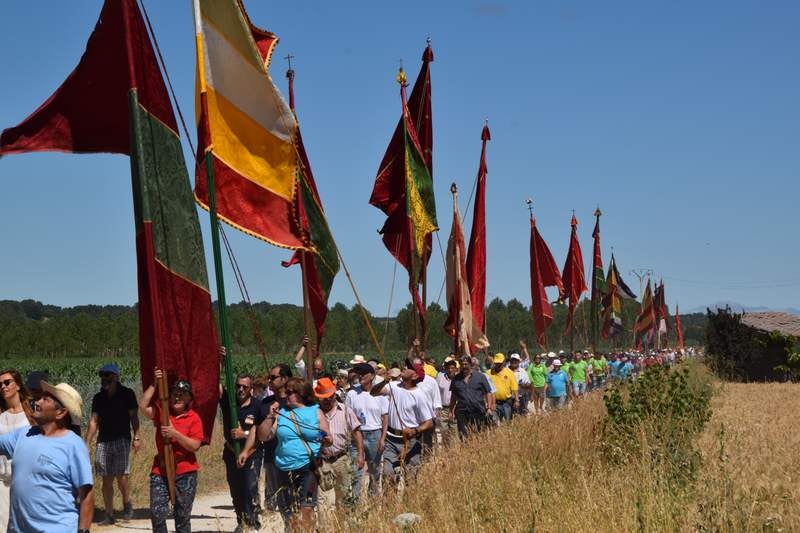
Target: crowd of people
point(315, 438)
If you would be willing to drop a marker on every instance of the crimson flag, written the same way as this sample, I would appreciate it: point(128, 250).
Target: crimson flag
point(116, 101)
point(678, 330)
point(476, 255)
point(574, 281)
point(544, 273)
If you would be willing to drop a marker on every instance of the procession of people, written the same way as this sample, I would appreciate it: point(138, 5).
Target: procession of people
point(349, 433)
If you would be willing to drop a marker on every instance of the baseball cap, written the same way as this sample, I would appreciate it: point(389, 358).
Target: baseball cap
point(111, 368)
point(362, 369)
point(498, 358)
point(557, 362)
point(515, 356)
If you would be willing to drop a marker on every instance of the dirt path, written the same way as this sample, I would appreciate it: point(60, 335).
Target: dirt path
point(211, 513)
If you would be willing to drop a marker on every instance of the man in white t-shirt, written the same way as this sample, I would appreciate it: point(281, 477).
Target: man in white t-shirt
point(410, 415)
point(429, 386)
point(373, 413)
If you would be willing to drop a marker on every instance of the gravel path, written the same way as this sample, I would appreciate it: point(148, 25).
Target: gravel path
point(210, 513)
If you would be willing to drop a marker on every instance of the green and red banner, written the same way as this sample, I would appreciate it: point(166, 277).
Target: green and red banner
point(116, 101)
point(322, 262)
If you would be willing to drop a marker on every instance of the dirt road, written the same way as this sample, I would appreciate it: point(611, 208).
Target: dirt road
point(211, 513)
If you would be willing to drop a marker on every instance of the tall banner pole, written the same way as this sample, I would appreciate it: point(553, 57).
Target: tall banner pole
point(221, 303)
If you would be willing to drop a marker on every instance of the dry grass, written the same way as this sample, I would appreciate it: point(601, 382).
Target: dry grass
point(545, 473)
point(210, 479)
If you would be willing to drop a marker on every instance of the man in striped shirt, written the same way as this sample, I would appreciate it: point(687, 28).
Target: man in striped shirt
point(344, 429)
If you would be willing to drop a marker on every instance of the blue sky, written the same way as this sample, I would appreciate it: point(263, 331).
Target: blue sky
point(680, 119)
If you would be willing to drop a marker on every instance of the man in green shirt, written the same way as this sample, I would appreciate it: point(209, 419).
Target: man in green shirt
point(578, 376)
point(599, 370)
point(537, 372)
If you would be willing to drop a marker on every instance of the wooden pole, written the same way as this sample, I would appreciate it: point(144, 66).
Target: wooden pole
point(166, 452)
point(311, 349)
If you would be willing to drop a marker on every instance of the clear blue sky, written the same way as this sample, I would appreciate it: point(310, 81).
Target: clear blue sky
point(679, 118)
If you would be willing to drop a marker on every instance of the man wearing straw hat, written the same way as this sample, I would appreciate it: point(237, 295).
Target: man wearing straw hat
point(51, 486)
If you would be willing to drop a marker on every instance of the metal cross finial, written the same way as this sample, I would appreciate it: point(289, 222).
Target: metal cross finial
point(289, 58)
point(597, 212)
point(529, 201)
point(428, 40)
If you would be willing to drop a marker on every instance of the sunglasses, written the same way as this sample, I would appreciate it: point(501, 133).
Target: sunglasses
point(242, 386)
point(7, 382)
point(273, 377)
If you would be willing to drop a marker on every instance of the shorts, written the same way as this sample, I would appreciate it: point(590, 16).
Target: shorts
point(113, 458)
point(579, 387)
point(538, 392)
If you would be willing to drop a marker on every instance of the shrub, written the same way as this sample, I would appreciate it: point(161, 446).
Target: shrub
point(658, 418)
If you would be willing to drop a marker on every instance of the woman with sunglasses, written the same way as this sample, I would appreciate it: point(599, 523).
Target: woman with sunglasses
point(300, 429)
point(15, 404)
point(185, 433)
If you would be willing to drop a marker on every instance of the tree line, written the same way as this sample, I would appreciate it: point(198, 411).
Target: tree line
point(29, 328)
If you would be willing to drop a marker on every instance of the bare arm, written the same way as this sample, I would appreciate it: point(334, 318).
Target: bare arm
point(188, 443)
point(86, 512)
point(92, 429)
point(144, 402)
point(324, 426)
point(302, 351)
point(135, 425)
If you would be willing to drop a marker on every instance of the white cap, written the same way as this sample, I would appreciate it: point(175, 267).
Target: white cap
point(557, 362)
point(552, 354)
point(515, 356)
point(561, 352)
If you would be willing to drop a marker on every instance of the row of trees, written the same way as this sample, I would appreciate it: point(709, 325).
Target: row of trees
point(30, 328)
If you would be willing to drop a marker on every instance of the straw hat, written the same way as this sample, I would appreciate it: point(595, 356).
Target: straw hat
point(68, 397)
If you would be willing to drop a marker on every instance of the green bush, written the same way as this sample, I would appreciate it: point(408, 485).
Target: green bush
point(658, 418)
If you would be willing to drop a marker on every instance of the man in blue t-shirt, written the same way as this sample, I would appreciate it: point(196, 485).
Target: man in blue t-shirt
point(557, 382)
point(51, 485)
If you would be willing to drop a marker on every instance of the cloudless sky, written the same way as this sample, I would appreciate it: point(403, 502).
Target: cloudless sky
point(680, 119)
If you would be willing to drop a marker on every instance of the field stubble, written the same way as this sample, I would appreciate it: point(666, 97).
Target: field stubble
point(547, 474)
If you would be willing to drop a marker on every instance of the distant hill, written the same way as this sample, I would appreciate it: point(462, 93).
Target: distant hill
point(736, 307)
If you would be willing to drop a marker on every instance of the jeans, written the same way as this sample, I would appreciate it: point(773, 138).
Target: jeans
point(243, 485)
point(578, 387)
point(271, 486)
point(373, 461)
point(504, 411)
point(557, 402)
point(522, 409)
point(598, 380)
point(185, 489)
point(393, 467)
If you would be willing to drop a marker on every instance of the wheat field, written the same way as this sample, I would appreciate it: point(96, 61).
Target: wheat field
point(547, 474)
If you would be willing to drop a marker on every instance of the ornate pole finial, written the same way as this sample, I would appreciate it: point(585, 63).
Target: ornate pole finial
point(597, 211)
point(290, 72)
point(529, 201)
point(453, 188)
point(401, 75)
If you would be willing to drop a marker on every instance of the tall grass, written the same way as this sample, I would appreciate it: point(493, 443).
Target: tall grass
point(550, 473)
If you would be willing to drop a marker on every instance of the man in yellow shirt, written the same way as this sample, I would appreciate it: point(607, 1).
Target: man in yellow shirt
point(507, 393)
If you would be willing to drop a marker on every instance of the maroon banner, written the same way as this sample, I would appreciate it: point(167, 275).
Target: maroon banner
point(476, 255)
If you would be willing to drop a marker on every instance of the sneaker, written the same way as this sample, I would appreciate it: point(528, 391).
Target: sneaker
point(109, 521)
point(127, 511)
